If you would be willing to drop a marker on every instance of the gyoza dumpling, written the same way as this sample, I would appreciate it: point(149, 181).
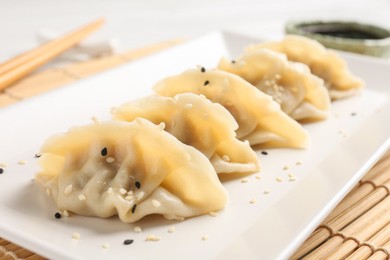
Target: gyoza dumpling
point(260, 119)
point(130, 170)
point(300, 94)
point(198, 122)
point(324, 63)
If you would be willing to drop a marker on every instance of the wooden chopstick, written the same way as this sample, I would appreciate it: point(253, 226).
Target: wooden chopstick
point(18, 67)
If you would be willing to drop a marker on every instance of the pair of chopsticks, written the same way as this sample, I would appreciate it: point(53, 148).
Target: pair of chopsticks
point(23, 64)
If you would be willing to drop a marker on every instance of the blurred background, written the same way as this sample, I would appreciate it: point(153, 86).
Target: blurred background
point(137, 23)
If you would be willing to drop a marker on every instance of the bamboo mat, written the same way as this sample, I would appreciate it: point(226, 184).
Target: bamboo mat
point(358, 228)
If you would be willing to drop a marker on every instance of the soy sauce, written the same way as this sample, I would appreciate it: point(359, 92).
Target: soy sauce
point(348, 33)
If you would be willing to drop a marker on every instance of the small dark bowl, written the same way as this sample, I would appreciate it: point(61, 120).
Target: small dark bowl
point(347, 36)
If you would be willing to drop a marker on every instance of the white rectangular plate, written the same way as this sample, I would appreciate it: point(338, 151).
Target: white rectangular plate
point(342, 149)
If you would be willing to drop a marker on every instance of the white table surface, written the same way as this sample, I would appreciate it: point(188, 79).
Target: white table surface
point(137, 23)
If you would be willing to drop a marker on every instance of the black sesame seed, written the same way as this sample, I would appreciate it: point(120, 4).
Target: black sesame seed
point(202, 69)
point(233, 61)
point(133, 208)
point(206, 83)
point(264, 152)
point(57, 215)
point(104, 151)
point(128, 242)
point(1, 170)
point(137, 184)
point(353, 114)
point(37, 155)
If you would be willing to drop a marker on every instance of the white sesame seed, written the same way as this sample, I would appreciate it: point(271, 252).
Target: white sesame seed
point(213, 213)
point(3, 165)
point(139, 121)
point(68, 189)
point(110, 190)
point(76, 236)
point(105, 246)
point(245, 180)
point(95, 120)
point(137, 229)
point(122, 191)
point(153, 238)
point(65, 213)
point(110, 159)
point(82, 197)
point(298, 163)
point(241, 63)
point(252, 201)
point(205, 237)
point(292, 179)
point(130, 192)
point(171, 229)
point(140, 195)
point(226, 158)
point(258, 177)
point(113, 110)
point(267, 191)
point(162, 126)
point(285, 168)
point(22, 162)
point(188, 106)
point(129, 197)
point(278, 179)
point(156, 203)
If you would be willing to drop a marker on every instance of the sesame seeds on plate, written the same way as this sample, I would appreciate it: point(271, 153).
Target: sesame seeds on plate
point(65, 213)
point(22, 162)
point(171, 229)
point(105, 246)
point(128, 241)
point(76, 236)
point(153, 238)
point(278, 179)
point(244, 180)
point(213, 213)
point(137, 229)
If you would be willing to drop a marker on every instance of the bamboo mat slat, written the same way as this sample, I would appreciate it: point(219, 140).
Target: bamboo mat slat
point(358, 228)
